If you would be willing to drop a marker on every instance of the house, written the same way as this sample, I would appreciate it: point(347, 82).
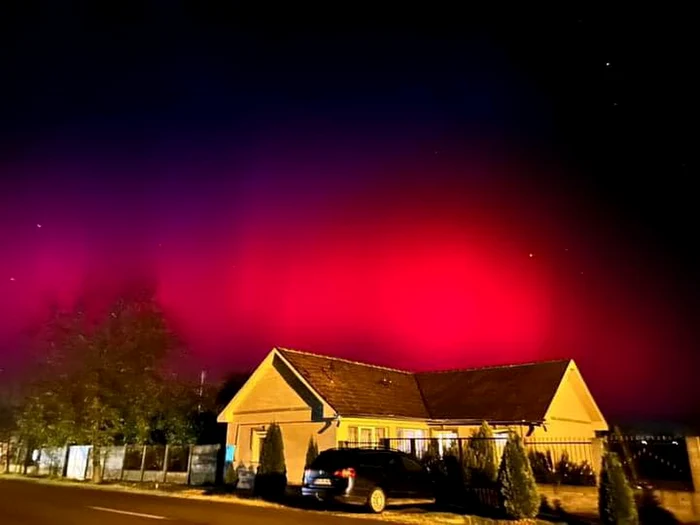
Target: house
point(339, 401)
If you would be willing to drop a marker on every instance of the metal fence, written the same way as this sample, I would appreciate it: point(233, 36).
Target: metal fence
point(573, 449)
point(659, 461)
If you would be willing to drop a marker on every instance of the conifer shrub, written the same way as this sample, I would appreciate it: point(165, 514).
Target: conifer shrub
point(271, 478)
point(517, 488)
point(231, 475)
point(616, 502)
point(571, 473)
point(480, 458)
point(311, 452)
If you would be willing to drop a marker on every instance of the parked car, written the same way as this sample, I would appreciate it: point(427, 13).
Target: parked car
point(370, 477)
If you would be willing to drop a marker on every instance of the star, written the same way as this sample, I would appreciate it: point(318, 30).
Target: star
point(38, 225)
point(608, 64)
point(12, 279)
point(532, 255)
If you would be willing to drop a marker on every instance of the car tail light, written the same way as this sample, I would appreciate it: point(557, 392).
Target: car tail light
point(345, 473)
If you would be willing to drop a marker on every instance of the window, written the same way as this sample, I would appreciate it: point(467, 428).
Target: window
point(365, 436)
point(447, 439)
point(406, 436)
point(371, 436)
point(501, 440)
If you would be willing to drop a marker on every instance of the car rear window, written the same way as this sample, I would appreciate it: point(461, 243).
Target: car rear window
point(334, 459)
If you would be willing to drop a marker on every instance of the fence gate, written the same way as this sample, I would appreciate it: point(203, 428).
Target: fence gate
point(78, 461)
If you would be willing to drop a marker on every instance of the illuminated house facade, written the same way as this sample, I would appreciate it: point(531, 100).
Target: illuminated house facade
point(339, 401)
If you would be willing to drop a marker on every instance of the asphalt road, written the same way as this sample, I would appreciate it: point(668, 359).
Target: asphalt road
point(30, 503)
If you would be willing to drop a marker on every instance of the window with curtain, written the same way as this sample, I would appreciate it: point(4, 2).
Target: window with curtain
point(353, 435)
point(406, 435)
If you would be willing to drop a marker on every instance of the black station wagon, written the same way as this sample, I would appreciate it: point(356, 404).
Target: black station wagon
point(374, 478)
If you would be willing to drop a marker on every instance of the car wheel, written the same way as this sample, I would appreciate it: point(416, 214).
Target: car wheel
point(376, 502)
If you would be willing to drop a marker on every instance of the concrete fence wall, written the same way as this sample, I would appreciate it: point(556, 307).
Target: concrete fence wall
point(193, 465)
point(584, 500)
point(684, 504)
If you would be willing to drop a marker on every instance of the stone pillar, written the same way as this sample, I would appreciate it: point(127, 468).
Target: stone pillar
point(143, 463)
point(597, 450)
point(165, 463)
point(693, 446)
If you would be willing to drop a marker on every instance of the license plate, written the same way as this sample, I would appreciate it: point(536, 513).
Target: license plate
point(322, 481)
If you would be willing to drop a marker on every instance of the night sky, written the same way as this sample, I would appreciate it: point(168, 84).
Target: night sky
point(424, 192)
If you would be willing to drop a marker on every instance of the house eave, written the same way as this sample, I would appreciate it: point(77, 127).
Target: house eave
point(479, 421)
point(445, 421)
point(384, 416)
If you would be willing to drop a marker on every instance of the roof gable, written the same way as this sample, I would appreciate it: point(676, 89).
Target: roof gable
point(273, 374)
point(573, 390)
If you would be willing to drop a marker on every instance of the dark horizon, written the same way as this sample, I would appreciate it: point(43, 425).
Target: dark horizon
point(427, 193)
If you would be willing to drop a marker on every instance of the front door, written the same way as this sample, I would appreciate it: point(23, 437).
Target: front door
point(256, 439)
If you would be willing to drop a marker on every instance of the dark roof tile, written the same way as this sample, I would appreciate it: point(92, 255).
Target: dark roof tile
point(506, 393)
point(358, 389)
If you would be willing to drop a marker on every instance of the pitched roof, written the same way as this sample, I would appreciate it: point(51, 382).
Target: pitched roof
point(504, 393)
point(359, 389)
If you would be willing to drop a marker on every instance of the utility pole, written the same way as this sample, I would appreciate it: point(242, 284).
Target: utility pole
point(202, 379)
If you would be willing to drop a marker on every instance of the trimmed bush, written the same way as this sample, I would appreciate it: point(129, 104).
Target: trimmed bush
point(433, 462)
point(542, 466)
point(565, 471)
point(516, 483)
point(572, 473)
point(431, 455)
point(311, 452)
point(480, 457)
point(271, 479)
point(231, 475)
point(616, 503)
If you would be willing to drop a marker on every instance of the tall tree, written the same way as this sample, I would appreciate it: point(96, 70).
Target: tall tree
point(7, 421)
point(8, 427)
point(106, 379)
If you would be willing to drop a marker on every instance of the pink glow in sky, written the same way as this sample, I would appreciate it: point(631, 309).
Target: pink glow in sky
point(462, 268)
